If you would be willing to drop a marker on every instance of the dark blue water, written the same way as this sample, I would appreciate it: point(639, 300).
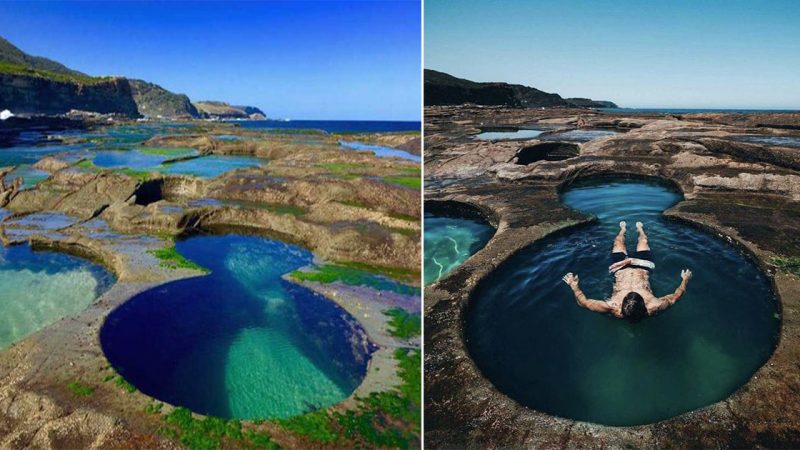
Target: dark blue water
point(239, 342)
point(335, 126)
point(530, 338)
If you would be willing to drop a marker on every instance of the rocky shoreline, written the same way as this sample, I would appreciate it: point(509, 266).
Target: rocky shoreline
point(333, 202)
point(747, 192)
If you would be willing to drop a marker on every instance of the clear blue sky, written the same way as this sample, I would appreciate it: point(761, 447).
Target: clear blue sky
point(304, 60)
point(680, 54)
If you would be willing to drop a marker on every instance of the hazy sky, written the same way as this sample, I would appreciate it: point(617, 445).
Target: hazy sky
point(304, 60)
point(701, 54)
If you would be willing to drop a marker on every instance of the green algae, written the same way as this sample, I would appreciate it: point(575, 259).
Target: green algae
point(211, 432)
point(138, 174)
point(122, 383)
point(353, 276)
point(403, 324)
point(374, 422)
point(171, 152)
point(410, 182)
point(790, 264)
point(405, 217)
point(89, 165)
point(153, 408)
point(404, 231)
point(79, 389)
point(398, 273)
point(171, 259)
point(316, 426)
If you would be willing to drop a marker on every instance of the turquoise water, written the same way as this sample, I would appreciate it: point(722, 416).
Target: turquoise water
point(530, 338)
point(39, 288)
point(12, 156)
point(502, 135)
point(449, 242)
point(382, 152)
point(211, 166)
point(239, 342)
point(127, 158)
point(120, 147)
point(30, 176)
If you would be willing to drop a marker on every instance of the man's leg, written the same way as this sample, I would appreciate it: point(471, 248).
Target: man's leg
point(642, 245)
point(619, 241)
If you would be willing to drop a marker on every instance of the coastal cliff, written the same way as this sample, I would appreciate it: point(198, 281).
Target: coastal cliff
point(35, 85)
point(444, 89)
point(152, 100)
point(34, 94)
point(221, 110)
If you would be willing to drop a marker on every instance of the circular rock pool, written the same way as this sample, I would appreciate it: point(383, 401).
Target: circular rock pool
point(39, 288)
point(449, 241)
point(530, 338)
point(240, 342)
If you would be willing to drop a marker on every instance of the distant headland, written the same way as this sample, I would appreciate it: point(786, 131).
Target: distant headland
point(35, 85)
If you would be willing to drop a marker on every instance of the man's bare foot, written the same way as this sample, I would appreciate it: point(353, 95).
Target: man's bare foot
point(622, 226)
point(639, 226)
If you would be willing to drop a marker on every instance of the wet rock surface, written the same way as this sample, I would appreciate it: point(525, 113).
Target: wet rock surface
point(745, 191)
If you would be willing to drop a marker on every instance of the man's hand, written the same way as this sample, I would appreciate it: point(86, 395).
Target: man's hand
point(686, 274)
point(619, 265)
point(571, 280)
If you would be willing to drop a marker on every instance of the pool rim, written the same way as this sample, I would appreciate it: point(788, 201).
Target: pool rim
point(606, 179)
point(447, 299)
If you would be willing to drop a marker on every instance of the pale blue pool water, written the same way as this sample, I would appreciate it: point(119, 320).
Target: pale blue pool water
point(39, 288)
point(536, 345)
point(211, 166)
point(30, 176)
point(506, 135)
point(382, 152)
point(451, 241)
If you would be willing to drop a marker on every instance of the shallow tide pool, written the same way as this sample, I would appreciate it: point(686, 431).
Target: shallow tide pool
point(536, 345)
point(504, 135)
point(380, 151)
point(239, 342)
point(39, 288)
point(451, 241)
point(580, 135)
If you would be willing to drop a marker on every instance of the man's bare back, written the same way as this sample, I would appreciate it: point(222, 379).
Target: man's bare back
point(631, 297)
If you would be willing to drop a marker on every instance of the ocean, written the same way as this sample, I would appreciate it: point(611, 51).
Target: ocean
point(336, 126)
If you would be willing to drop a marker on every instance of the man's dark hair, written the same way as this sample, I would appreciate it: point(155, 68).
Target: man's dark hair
point(633, 307)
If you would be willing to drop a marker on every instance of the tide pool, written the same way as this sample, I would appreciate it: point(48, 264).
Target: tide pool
point(382, 152)
point(529, 337)
point(451, 241)
point(39, 288)
point(241, 341)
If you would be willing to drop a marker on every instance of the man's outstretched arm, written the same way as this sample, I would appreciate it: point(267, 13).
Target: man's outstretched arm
point(592, 305)
point(669, 300)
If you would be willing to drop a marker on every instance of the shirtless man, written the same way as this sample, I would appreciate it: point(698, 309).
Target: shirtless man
point(631, 298)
